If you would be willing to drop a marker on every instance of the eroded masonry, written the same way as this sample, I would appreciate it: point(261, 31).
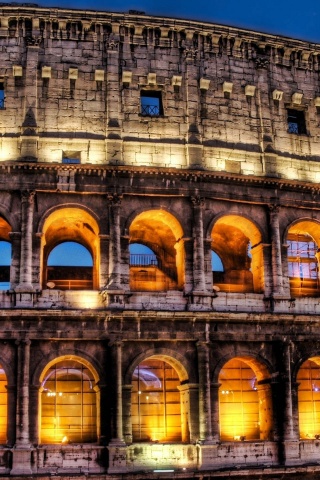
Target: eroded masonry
point(159, 246)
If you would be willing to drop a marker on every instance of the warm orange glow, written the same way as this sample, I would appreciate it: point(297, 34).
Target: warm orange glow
point(245, 407)
point(237, 241)
point(68, 403)
point(75, 225)
point(5, 229)
point(156, 411)
point(162, 233)
point(308, 379)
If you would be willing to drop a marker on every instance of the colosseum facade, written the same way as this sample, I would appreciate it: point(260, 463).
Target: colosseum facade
point(180, 159)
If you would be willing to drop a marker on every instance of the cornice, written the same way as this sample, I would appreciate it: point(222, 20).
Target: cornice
point(127, 19)
point(193, 176)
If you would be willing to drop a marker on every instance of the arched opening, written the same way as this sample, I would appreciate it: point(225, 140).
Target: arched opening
point(308, 379)
point(245, 403)
point(70, 231)
point(70, 267)
point(158, 412)
point(5, 254)
point(303, 269)
point(68, 403)
point(156, 255)
point(237, 242)
point(3, 406)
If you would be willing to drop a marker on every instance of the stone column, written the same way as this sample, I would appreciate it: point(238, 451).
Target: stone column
point(27, 208)
point(29, 137)
point(276, 251)
point(34, 414)
point(290, 440)
point(193, 413)
point(114, 245)
point(205, 418)
point(188, 254)
point(198, 245)
point(215, 420)
point(21, 461)
point(117, 446)
point(127, 422)
point(117, 361)
point(104, 260)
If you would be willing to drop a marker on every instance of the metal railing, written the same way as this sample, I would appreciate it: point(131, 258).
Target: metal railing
point(150, 110)
point(143, 260)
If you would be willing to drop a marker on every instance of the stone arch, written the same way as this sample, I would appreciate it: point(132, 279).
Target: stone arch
point(303, 240)
point(245, 400)
point(69, 399)
point(238, 241)
point(161, 232)
point(70, 223)
point(159, 398)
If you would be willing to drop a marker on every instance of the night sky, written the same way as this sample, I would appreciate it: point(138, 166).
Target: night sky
point(298, 19)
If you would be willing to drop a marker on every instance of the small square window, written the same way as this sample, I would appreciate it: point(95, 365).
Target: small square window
point(71, 157)
point(296, 122)
point(151, 103)
point(2, 96)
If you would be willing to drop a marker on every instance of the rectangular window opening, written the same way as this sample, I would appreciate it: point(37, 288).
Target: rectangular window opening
point(71, 157)
point(296, 122)
point(151, 103)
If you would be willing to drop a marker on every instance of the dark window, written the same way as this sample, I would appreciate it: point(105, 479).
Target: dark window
point(296, 122)
point(151, 103)
point(2, 95)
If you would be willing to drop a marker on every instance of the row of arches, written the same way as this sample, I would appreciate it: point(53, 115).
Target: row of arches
point(70, 253)
point(159, 409)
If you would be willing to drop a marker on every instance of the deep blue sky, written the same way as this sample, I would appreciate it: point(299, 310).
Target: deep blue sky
point(294, 18)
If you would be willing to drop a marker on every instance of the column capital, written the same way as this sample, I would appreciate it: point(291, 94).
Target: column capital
point(197, 201)
point(27, 196)
point(114, 199)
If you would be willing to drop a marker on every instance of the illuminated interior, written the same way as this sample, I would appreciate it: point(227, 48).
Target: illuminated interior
point(163, 267)
point(237, 243)
point(68, 403)
point(245, 403)
point(156, 410)
point(308, 379)
point(3, 406)
point(5, 254)
point(303, 240)
point(64, 226)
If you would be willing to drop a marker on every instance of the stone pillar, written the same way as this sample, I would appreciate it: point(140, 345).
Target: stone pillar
point(117, 446)
point(104, 260)
point(29, 137)
point(215, 419)
point(34, 414)
point(290, 439)
point(127, 420)
point(193, 413)
point(198, 245)
point(188, 264)
point(25, 276)
point(277, 275)
point(117, 361)
point(21, 454)
point(114, 246)
point(113, 131)
point(205, 418)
